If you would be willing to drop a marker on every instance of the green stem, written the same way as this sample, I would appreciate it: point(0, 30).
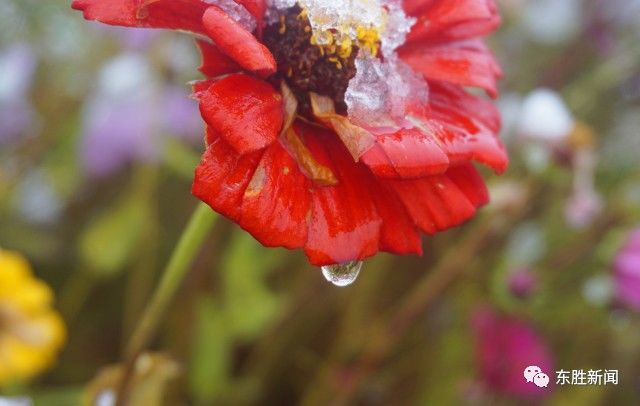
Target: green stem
point(183, 256)
point(201, 222)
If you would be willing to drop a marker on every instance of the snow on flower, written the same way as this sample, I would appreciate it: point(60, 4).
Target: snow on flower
point(300, 153)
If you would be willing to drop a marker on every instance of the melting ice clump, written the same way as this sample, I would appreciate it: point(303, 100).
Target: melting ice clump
point(237, 12)
point(377, 95)
point(342, 17)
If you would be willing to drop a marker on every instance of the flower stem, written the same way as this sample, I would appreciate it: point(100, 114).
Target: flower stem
point(201, 222)
point(199, 225)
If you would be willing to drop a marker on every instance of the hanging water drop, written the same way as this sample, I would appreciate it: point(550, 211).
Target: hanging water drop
point(342, 274)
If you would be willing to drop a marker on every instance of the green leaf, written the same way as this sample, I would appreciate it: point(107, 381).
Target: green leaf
point(249, 302)
point(210, 366)
point(58, 397)
point(110, 240)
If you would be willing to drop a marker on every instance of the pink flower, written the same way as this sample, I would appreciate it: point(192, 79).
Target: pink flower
point(627, 271)
point(505, 347)
point(522, 282)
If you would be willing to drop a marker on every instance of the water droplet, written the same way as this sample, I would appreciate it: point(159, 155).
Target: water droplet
point(342, 274)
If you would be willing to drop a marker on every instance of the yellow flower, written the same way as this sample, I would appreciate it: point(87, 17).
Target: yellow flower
point(31, 332)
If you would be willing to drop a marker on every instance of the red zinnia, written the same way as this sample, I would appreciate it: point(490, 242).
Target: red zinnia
point(333, 128)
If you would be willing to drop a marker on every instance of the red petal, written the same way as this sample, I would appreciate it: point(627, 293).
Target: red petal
point(408, 153)
point(416, 7)
point(222, 176)
point(463, 137)
point(398, 233)
point(237, 42)
point(264, 192)
point(199, 86)
point(277, 202)
point(456, 98)
point(171, 14)
point(467, 63)
point(344, 224)
point(215, 62)
point(469, 181)
point(257, 8)
point(445, 20)
point(245, 110)
point(435, 203)
point(268, 195)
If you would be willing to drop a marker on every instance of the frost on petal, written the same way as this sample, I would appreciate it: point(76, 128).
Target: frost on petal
point(397, 27)
point(381, 93)
point(237, 12)
point(337, 20)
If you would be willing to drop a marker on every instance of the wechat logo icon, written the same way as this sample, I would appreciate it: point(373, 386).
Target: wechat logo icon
point(533, 374)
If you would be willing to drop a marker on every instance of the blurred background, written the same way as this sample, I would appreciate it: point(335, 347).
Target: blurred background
point(98, 142)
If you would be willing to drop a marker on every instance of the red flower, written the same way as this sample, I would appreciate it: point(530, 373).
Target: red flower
point(285, 158)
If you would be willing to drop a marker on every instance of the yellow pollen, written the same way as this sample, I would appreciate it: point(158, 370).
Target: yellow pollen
point(340, 45)
point(369, 39)
point(336, 61)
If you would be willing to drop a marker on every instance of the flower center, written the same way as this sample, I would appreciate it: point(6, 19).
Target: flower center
point(320, 62)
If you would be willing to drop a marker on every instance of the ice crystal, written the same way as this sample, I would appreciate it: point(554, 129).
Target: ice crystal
point(237, 12)
point(377, 96)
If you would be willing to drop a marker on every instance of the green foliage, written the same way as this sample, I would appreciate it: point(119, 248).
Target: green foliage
point(110, 240)
point(250, 304)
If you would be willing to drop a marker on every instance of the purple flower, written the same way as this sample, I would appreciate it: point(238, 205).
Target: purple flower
point(119, 119)
point(117, 134)
point(17, 66)
point(627, 271)
point(181, 118)
point(130, 38)
point(522, 282)
point(130, 112)
point(505, 347)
